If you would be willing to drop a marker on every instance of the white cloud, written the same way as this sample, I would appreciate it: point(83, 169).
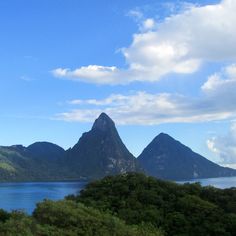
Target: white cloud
point(211, 145)
point(212, 82)
point(224, 147)
point(178, 44)
point(221, 88)
point(148, 24)
point(114, 99)
point(148, 109)
point(216, 103)
point(227, 77)
point(231, 71)
point(93, 73)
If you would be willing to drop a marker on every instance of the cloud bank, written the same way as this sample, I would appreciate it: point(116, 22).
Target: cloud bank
point(179, 44)
point(216, 103)
point(224, 147)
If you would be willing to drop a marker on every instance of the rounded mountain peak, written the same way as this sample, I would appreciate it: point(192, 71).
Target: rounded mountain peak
point(163, 139)
point(163, 136)
point(103, 123)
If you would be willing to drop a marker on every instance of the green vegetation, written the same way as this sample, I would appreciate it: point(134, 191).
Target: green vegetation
point(7, 167)
point(18, 163)
point(68, 218)
point(178, 209)
point(130, 205)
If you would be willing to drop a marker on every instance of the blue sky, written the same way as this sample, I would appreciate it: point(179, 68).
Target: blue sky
point(153, 66)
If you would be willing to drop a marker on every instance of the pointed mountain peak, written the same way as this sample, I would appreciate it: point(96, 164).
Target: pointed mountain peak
point(101, 152)
point(103, 123)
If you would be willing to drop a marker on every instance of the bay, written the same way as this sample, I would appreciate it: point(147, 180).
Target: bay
point(223, 182)
point(25, 195)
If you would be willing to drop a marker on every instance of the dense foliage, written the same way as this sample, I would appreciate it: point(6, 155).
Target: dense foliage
point(130, 205)
point(68, 218)
point(178, 209)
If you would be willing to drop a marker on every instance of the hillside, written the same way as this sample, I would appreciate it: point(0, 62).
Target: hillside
point(101, 152)
point(39, 161)
point(167, 158)
point(98, 153)
point(187, 209)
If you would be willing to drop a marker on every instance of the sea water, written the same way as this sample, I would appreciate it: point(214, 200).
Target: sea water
point(25, 195)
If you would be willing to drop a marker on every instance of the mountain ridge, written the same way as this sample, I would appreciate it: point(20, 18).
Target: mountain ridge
point(100, 152)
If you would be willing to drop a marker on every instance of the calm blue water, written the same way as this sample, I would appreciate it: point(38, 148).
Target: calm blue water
point(224, 182)
point(25, 195)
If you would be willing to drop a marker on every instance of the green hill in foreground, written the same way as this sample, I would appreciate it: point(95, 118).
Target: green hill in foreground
point(128, 205)
point(187, 209)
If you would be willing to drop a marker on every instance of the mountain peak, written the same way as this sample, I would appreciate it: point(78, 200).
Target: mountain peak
point(163, 137)
point(103, 123)
point(101, 151)
point(167, 158)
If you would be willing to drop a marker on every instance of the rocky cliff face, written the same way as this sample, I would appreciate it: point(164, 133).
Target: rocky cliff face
point(101, 151)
